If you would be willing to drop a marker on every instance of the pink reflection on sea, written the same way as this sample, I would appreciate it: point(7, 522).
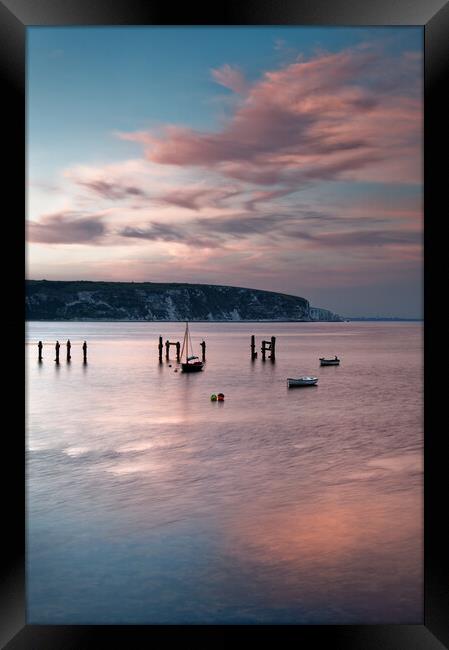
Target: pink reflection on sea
point(274, 506)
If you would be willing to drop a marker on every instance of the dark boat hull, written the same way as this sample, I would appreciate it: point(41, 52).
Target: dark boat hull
point(192, 367)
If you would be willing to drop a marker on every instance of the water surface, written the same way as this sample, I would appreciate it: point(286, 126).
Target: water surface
point(148, 503)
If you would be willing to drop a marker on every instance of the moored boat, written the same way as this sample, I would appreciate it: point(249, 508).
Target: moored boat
point(329, 362)
point(191, 363)
point(301, 381)
point(190, 366)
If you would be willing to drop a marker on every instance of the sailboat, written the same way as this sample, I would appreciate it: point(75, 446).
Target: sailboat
point(192, 363)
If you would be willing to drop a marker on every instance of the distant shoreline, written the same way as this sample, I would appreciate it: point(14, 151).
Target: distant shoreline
point(346, 320)
point(386, 320)
point(94, 320)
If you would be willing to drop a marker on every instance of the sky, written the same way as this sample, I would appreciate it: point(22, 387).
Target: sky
point(281, 158)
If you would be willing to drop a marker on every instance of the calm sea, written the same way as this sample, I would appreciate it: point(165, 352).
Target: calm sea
point(148, 503)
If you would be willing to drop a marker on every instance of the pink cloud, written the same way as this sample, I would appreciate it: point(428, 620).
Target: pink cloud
point(197, 198)
point(141, 185)
point(336, 116)
point(230, 77)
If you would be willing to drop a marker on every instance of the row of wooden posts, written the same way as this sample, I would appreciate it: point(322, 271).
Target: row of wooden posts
point(40, 346)
point(267, 347)
point(177, 345)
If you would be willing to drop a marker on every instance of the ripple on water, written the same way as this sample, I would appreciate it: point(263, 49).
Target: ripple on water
point(147, 500)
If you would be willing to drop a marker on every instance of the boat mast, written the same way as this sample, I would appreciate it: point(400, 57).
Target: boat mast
point(187, 343)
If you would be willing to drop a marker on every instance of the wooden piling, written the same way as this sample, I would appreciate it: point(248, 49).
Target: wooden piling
point(203, 350)
point(85, 352)
point(168, 343)
point(40, 346)
point(273, 348)
point(57, 346)
point(160, 348)
point(253, 348)
point(69, 345)
point(269, 346)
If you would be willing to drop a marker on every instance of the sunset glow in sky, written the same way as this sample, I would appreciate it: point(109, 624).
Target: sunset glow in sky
point(279, 158)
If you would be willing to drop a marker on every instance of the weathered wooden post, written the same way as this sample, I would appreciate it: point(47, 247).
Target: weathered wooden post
point(85, 352)
point(167, 349)
point(273, 348)
point(269, 346)
point(69, 356)
point(178, 351)
point(40, 346)
point(203, 351)
point(57, 346)
point(160, 347)
point(253, 348)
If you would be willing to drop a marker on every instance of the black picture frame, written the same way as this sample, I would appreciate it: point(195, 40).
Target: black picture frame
point(433, 15)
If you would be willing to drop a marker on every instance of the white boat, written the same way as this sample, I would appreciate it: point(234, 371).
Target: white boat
point(301, 381)
point(329, 362)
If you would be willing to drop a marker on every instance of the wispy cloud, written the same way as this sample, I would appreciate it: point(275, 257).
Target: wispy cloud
point(112, 191)
point(196, 198)
point(230, 77)
point(313, 120)
point(66, 228)
point(316, 230)
point(156, 231)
